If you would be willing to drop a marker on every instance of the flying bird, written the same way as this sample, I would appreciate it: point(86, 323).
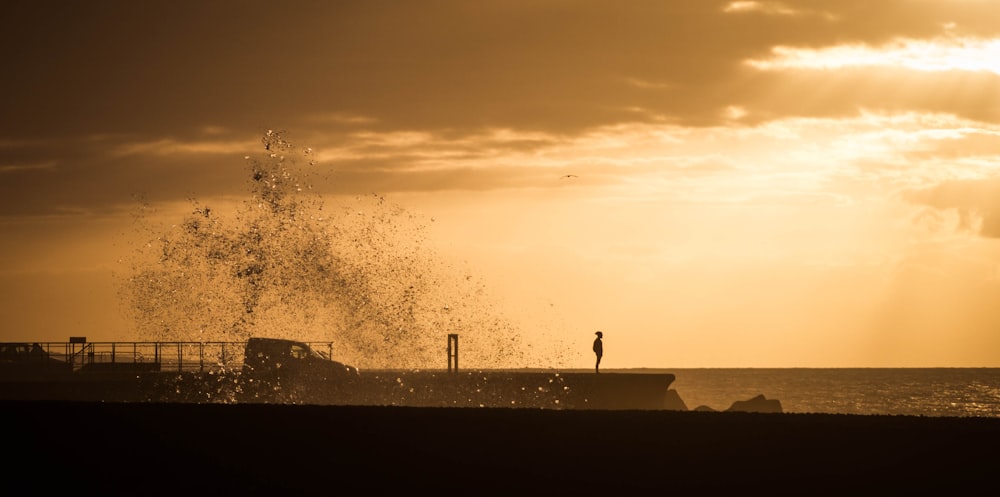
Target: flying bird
point(568, 176)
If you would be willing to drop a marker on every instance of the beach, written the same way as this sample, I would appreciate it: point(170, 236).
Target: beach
point(219, 449)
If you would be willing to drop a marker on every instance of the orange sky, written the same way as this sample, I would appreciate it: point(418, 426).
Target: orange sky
point(751, 184)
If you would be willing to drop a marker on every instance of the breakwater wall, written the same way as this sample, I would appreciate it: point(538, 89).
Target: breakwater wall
point(513, 389)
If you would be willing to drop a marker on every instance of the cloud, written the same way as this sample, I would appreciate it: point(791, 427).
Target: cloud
point(556, 67)
point(766, 8)
point(341, 118)
point(829, 160)
point(44, 166)
point(8, 144)
point(933, 55)
point(169, 147)
point(644, 84)
point(977, 202)
point(96, 176)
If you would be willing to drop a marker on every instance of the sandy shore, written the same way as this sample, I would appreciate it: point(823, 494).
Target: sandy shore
point(200, 449)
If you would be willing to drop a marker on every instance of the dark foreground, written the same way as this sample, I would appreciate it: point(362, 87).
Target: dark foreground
point(266, 449)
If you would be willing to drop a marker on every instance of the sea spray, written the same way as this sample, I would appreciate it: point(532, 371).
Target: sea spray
point(284, 264)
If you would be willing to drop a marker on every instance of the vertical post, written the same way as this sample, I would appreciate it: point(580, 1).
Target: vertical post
point(452, 352)
point(72, 348)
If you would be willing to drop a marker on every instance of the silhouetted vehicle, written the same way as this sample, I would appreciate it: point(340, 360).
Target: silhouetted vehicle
point(275, 358)
point(287, 369)
point(22, 360)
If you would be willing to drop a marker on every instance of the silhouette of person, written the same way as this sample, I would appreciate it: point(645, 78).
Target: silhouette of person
point(598, 350)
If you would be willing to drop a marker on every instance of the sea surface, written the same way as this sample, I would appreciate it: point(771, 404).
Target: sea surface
point(957, 392)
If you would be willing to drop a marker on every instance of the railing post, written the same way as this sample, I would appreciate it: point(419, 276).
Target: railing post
point(452, 352)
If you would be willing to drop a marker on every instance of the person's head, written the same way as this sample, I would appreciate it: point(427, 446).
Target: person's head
point(599, 334)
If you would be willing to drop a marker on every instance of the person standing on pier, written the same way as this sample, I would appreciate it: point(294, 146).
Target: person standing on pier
point(598, 350)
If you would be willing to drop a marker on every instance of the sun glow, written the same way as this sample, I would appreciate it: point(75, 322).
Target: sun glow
point(951, 54)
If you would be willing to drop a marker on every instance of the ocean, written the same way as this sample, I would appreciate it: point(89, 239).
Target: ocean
point(955, 392)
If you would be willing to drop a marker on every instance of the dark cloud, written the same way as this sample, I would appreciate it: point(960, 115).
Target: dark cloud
point(140, 72)
point(174, 67)
point(87, 176)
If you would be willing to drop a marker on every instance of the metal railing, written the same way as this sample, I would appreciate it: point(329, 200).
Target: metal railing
point(148, 356)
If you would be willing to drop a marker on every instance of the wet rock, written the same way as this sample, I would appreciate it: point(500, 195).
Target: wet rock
point(756, 404)
point(673, 402)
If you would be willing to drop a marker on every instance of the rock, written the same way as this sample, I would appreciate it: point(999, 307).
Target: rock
point(756, 404)
point(704, 408)
point(673, 401)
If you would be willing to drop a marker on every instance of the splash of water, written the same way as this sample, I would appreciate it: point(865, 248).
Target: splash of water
point(285, 265)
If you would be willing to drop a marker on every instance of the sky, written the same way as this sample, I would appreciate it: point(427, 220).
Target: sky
point(710, 183)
